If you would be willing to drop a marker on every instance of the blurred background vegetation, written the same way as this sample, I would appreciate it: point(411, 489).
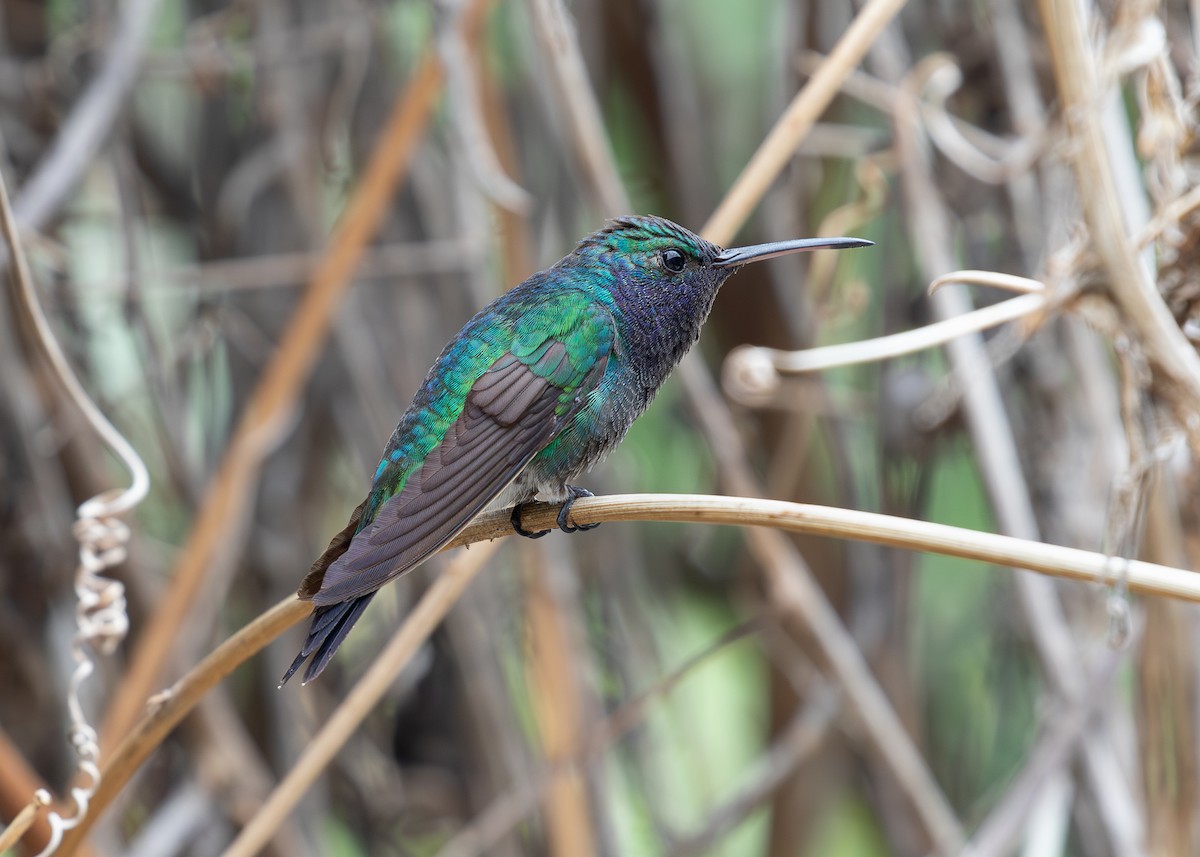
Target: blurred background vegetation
point(172, 268)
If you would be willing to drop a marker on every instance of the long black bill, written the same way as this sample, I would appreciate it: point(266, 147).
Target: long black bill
point(735, 256)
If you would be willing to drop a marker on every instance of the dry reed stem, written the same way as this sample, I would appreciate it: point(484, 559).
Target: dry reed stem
point(359, 702)
point(174, 704)
point(275, 397)
point(780, 145)
point(24, 819)
point(995, 279)
point(1054, 560)
point(466, 114)
point(1131, 284)
point(18, 783)
point(936, 78)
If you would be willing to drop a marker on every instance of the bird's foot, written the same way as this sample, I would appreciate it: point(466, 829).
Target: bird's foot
point(565, 525)
point(574, 493)
point(516, 524)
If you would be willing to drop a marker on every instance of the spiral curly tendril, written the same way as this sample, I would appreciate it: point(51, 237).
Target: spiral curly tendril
point(100, 615)
point(101, 620)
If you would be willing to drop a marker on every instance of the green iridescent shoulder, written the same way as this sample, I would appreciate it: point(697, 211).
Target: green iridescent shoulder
point(563, 336)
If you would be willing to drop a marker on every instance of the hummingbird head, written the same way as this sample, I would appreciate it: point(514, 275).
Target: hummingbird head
point(655, 254)
point(656, 263)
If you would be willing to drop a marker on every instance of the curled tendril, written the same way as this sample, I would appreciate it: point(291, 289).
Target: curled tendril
point(102, 622)
point(100, 613)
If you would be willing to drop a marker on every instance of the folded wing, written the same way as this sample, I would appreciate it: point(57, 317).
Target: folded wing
point(512, 411)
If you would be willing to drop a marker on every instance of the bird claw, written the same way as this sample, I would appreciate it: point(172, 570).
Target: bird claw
point(563, 518)
point(515, 519)
point(563, 513)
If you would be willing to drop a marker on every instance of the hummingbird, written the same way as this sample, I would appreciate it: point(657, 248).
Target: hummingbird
point(539, 386)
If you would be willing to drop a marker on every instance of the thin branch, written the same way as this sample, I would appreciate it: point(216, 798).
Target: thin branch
point(1170, 217)
point(110, 503)
point(18, 783)
point(1054, 560)
point(554, 662)
point(995, 279)
point(286, 270)
point(24, 820)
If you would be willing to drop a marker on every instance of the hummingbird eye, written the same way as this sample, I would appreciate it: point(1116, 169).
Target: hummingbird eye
point(673, 260)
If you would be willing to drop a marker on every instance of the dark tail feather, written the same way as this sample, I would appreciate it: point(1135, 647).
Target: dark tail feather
point(329, 628)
